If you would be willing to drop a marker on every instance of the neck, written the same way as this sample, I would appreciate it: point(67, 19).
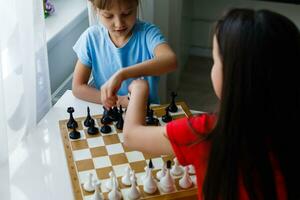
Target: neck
point(120, 41)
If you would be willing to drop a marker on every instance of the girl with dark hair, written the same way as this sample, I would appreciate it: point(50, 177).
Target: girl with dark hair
point(249, 149)
point(117, 50)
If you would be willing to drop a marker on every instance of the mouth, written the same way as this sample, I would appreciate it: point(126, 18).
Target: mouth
point(121, 30)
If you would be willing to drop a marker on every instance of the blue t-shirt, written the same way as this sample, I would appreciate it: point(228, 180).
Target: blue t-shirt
point(95, 49)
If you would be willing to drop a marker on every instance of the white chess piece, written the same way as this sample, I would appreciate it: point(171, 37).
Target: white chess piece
point(192, 169)
point(88, 186)
point(126, 178)
point(176, 169)
point(194, 179)
point(133, 193)
point(186, 181)
point(109, 183)
point(149, 183)
point(146, 172)
point(167, 182)
point(162, 172)
point(114, 194)
point(97, 195)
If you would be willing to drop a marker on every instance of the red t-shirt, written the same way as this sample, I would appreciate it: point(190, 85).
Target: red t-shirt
point(187, 137)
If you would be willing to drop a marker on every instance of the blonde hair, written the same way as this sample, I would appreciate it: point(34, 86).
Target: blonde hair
point(106, 4)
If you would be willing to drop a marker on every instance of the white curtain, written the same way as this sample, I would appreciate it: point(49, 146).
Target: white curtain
point(24, 77)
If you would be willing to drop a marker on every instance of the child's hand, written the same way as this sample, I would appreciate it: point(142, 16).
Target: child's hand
point(109, 90)
point(123, 101)
point(138, 85)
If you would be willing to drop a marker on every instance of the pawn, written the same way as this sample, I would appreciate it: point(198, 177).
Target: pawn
point(186, 181)
point(167, 182)
point(92, 130)
point(167, 117)
point(88, 186)
point(105, 129)
point(162, 172)
point(176, 169)
point(74, 134)
point(71, 123)
point(97, 195)
point(126, 178)
point(88, 120)
point(133, 193)
point(150, 119)
point(173, 107)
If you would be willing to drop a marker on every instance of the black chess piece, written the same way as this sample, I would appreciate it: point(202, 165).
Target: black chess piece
point(167, 117)
point(173, 107)
point(120, 122)
point(74, 134)
point(148, 113)
point(71, 123)
point(88, 120)
point(105, 129)
point(169, 164)
point(114, 114)
point(106, 118)
point(150, 165)
point(92, 130)
point(150, 119)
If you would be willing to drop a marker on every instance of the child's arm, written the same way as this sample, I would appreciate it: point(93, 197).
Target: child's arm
point(148, 139)
point(163, 62)
point(80, 87)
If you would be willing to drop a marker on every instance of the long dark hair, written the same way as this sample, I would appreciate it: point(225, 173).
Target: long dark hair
point(259, 108)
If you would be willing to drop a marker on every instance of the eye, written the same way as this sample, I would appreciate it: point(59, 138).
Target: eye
point(107, 16)
point(127, 13)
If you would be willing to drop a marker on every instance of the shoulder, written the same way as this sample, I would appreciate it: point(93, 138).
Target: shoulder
point(94, 32)
point(187, 130)
point(145, 27)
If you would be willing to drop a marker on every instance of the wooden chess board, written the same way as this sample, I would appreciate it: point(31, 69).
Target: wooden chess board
point(101, 153)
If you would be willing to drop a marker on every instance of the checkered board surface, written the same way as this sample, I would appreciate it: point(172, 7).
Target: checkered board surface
point(100, 154)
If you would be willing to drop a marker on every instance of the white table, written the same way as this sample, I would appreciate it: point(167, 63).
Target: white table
point(38, 167)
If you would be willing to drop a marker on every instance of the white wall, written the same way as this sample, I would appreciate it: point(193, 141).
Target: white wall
point(205, 12)
point(63, 29)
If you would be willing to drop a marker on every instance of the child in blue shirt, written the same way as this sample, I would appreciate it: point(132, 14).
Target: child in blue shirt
point(118, 50)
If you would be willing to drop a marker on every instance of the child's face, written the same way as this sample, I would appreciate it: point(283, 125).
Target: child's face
point(119, 19)
point(216, 71)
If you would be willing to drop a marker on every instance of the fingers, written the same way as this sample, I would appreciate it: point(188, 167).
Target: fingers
point(123, 101)
point(108, 98)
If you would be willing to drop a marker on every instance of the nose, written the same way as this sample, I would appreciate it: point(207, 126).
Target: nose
point(119, 23)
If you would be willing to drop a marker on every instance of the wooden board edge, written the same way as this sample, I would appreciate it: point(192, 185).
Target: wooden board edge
point(72, 168)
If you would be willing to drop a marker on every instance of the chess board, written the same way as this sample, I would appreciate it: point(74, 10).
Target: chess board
point(101, 153)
